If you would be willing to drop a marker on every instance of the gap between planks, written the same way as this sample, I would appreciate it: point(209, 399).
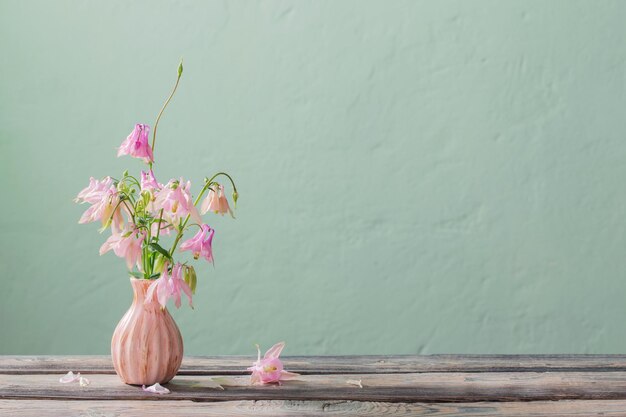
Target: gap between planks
point(236, 365)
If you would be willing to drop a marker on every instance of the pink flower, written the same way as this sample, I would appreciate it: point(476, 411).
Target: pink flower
point(148, 182)
point(93, 192)
point(136, 144)
point(270, 368)
point(216, 202)
point(200, 244)
point(168, 286)
point(175, 200)
point(125, 244)
point(104, 199)
point(179, 285)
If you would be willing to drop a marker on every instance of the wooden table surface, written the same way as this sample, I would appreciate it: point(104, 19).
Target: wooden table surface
point(438, 385)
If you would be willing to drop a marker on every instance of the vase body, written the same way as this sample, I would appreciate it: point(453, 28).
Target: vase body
point(147, 346)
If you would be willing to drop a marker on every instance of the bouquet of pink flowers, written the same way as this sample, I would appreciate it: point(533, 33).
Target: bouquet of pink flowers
point(141, 211)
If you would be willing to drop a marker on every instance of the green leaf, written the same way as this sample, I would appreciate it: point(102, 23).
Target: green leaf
point(155, 247)
point(136, 274)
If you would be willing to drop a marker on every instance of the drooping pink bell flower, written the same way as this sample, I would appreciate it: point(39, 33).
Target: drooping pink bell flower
point(136, 144)
point(169, 286)
point(94, 191)
point(175, 200)
point(216, 202)
point(125, 244)
point(178, 285)
point(201, 243)
point(104, 198)
point(149, 182)
point(160, 287)
point(270, 368)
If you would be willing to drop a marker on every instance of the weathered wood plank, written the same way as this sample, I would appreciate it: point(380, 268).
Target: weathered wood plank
point(50, 408)
point(420, 387)
point(236, 365)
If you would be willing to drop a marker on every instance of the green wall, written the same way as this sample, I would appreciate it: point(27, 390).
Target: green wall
point(415, 177)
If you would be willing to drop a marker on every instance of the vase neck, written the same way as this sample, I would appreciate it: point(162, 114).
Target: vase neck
point(140, 288)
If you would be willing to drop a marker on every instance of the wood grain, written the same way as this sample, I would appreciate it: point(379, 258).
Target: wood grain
point(236, 365)
point(46, 408)
point(419, 387)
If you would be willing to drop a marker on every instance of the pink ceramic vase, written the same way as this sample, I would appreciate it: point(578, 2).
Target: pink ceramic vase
point(147, 346)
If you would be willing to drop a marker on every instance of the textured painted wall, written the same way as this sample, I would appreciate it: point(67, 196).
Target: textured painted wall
point(442, 176)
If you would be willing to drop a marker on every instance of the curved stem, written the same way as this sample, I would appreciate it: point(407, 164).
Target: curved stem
point(156, 124)
point(207, 185)
point(226, 175)
point(130, 177)
point(210, 182)
point(132, 213)
point(113, 213)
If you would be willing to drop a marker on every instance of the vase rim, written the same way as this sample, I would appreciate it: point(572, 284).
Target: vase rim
point(132, 278)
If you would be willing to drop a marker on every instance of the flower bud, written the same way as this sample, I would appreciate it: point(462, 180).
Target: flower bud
point(180, 68)
point(189, 276)
point(235, 197)
point(158, 265)
point(146, 197)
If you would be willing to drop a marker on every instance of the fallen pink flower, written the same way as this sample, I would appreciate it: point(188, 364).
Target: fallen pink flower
point(136, 144)
point(270, 368)
point(201, 243)
point(69, 377)
point(156, 389)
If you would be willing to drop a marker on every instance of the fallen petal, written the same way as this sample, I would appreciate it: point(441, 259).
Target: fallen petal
point(69, 377)
point(356, 382)
point(284, 375)
point(83, 381)
point(211, 383)
point(156, 389)
point(223, 380)
point(274, 351)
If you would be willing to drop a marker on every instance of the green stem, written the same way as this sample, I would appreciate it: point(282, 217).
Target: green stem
point(179, 235)
point(207, 185)
point(159, 229)
point(113, 212)
point(130, 177)
point(225, 174)
point(156, 124)
point(131, 212)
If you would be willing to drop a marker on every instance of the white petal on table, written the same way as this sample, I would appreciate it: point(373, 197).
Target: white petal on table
point(69, 377)
point(156, 389)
